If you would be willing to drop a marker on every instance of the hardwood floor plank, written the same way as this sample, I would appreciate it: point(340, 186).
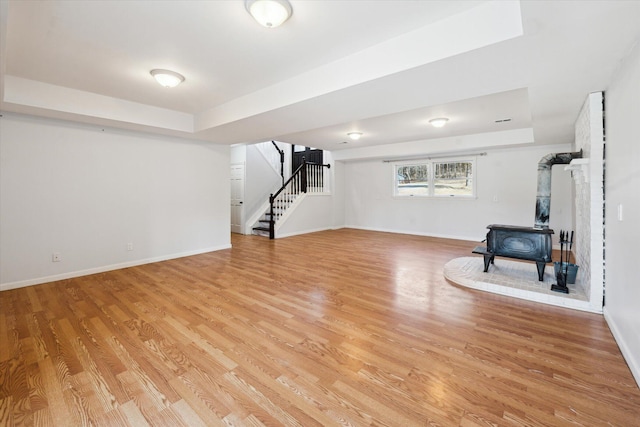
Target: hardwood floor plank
point(42, 418)
point(248, 388)
point(306, 399)
point(13, 381)
point(343, 327)
point(133, 415)
point(138, 382)
point(198, 404)
point(6, 411)
point(102, 377)
point(7, 349)
point(37, 395)
point(57, 403)
point(187, 415)
point(382, 413)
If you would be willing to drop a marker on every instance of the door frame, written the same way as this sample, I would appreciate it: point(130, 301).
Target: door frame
point(242, 210)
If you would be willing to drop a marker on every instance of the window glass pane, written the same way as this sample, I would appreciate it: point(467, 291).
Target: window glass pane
point(412, 180)
point(453, 179)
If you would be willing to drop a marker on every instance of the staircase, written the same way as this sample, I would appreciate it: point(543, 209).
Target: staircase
point(263, 228)
point(280, 207)
point(308, 177)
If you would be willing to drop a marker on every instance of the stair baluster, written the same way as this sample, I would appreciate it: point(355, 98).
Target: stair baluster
point(307, 177)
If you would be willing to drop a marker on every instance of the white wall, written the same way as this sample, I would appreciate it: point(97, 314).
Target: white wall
point(510, 175)
point(622, 307)
point(312, 212)
point(261, 181)
point(238, 154)
point(86, 192)
point(338, 192)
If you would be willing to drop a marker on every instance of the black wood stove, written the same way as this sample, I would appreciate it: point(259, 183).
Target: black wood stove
point(528, 243)
point(512, 241)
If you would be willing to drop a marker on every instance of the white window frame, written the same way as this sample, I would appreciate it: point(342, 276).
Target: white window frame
point(431, 188)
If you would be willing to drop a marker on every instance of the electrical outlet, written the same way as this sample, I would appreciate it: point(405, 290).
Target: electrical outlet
point(56, 257)
point(129, 246)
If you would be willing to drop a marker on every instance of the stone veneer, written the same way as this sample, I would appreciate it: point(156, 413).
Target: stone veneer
point(589, 199)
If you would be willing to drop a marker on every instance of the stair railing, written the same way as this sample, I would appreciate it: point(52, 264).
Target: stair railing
point(309, 177)
point(281, 152)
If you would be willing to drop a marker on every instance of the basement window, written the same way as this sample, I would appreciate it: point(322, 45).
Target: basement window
point(435, 178)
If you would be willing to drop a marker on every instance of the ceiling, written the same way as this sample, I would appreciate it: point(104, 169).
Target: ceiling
point(384, 68)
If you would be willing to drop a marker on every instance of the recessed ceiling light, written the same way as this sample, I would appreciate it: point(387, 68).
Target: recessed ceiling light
point(354, 135)
point(167, 78)
point(439, 122)
point(269, 13)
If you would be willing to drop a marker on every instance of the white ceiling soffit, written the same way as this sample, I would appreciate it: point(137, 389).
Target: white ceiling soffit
point(381, 67)
point(109, 47)
point(478, 27)
point(489, 113)
point(78, 104)
point(51, 91)
point(445, 145)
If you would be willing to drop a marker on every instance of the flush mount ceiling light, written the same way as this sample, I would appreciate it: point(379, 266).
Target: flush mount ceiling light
point(439, 122)
point(354, 135)
point(269, 13)
point(167, 78)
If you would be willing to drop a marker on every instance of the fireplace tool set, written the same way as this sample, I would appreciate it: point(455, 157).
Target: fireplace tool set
point(566, 244)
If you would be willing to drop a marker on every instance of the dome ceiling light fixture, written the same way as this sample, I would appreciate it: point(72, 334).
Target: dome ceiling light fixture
point(269, 13)
point(439, 122)
point(354, 135)
point(167, 78)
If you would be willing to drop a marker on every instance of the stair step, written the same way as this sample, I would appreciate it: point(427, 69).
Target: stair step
point(260, 231)
point(280, 206)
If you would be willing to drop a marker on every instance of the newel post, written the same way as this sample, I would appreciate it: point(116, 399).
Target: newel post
point(272, 221)
point(303, 172)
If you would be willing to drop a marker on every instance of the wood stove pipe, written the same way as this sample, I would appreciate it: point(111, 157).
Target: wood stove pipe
point(543, 197)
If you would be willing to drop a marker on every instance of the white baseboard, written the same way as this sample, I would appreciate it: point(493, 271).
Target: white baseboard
point(102, 269)
point(297, 233)
point(414, 233)
point(633, 361)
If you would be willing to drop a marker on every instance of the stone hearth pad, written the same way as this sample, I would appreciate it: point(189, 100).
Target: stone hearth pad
point(513, 278)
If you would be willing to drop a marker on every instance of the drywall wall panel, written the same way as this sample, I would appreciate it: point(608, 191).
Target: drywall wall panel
point(506, 194)
point(103, 198)
point(261, 181)
point(311, 212)
point(622, 276)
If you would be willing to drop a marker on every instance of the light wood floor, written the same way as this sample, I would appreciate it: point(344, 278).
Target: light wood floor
point(341, 327)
